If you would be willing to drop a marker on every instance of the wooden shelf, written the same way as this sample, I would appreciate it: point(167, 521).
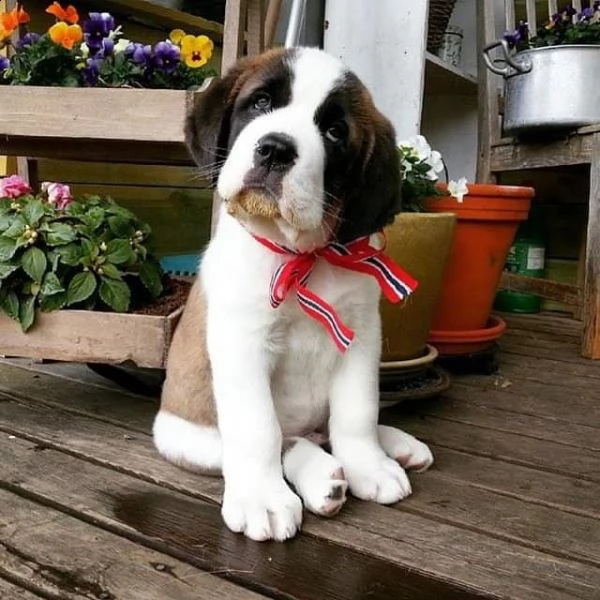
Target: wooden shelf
point(115, 125)
point(159, 16)
point(574, 149)
point(444, 79)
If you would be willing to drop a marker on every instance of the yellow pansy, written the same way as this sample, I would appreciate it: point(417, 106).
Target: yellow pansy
point(177, 35)
point(196, 50)
point(65, 35)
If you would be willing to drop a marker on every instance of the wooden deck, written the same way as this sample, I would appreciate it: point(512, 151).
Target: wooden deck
point(511, 509)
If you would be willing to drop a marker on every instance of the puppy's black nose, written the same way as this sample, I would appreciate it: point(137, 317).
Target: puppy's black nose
point(275, 151)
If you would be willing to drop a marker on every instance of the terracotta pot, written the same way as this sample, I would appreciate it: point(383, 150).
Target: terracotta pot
point(419, 243)
point(487, 223)
point(450, 343)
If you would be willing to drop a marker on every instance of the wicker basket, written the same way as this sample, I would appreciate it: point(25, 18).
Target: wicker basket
point(440, 12)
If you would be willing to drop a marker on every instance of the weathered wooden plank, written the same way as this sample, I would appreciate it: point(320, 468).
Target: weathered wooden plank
point(552, 290)
point(193, 531)
point(271, 21)
point(510, 447)
point(487, 91)
point(575, 150)
point(164, 17)
point(136, 413)
point(541, 428)
point(541, 399)
point(572, 536)
point(586, 374)
point(85, 336)
point(60, 556)
point(531, 15)
point(143, 153)
point(155, 116)
point(9, 591)
point(544, 322)
point(256, 26)
point(530, 485)
point(187, 528)
point(234, 32)
point(591, 294)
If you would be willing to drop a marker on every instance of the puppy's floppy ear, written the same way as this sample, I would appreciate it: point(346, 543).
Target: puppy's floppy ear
point(375, 197)
point(207, 125)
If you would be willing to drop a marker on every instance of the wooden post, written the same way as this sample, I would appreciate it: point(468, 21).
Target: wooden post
point(272, 19)
point(256, 26)
point(591, 294)
point(488, 126)
point(234, 32)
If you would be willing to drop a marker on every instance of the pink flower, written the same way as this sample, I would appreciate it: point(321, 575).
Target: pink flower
point(13, 187)
point(59, 194)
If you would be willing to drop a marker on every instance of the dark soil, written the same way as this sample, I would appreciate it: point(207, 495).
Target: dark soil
point(174, 295)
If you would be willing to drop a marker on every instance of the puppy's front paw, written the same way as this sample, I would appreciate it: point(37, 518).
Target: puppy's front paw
point(373, 476)
point(266, 510)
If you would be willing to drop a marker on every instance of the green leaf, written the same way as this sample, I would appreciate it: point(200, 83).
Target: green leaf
point(75, 209)
point(70, 254)
point(58, 234)
point(54, 302)
point(33, 211)
point(5, 221)
point(150, 276)
point(8, 248)
point(51, 285)
point(111, 271)
point(81, 287)
point(115, 293)
point(118, 252)
point(27, 313)
point(9, 303)
point(34, 263)
point(120, 227)
point(6, 270)
point(16, 228)
point(94, 218)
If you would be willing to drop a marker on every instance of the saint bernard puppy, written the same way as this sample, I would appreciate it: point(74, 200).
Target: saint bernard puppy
point(279, 345)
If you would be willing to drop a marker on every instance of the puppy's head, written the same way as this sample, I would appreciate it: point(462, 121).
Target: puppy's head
point(297, 148)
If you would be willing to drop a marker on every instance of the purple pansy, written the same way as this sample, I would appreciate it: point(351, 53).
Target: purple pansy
point(107, 48)
point(4, 64)
point(91, 73)
point(521, 33)
point(586, 14)
point(27, 40)
point(166, 56)
point(96, 28)
point(139, 54)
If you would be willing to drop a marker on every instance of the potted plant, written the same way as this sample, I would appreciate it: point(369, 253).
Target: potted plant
point(420, 241)
point(84, 254)
point(534, 67)
point(487, 220)
point(67, 83)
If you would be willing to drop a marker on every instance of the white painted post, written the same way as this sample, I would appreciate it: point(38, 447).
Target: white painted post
point(383, 42)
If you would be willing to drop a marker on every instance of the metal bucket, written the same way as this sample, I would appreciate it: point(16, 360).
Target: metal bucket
point(553, 88)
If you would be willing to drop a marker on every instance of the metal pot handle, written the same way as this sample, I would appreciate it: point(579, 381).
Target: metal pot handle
point(524, 66)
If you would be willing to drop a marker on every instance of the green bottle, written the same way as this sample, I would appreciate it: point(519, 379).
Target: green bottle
point(525, 257)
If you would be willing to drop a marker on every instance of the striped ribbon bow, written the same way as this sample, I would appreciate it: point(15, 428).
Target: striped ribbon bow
point(359, 256)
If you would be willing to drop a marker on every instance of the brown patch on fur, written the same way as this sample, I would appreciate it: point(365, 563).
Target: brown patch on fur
point(187, 391)
point(254, 203)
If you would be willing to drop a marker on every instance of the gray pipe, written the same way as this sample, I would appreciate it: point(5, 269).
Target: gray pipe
point(296, 23)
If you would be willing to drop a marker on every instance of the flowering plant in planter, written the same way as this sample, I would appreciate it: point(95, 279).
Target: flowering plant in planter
point(57, 251)
point(565, 28)
point(94, 53)
point(420, 174)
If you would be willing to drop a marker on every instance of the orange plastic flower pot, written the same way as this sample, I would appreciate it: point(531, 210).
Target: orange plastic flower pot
point(487, 222)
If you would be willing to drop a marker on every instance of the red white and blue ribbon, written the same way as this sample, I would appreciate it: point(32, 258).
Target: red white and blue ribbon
point(359, 256)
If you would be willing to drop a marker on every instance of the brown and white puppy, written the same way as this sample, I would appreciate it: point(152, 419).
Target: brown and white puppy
point(302, 157)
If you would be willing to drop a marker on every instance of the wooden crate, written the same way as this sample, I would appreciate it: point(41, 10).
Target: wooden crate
point(129, 125)
point(90, 336)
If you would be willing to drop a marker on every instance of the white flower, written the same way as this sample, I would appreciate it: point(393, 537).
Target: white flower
point(458, 189)
point(85, 50)
point(113, 35)
point(436, 163)
point(421, 146)
point(121, 45)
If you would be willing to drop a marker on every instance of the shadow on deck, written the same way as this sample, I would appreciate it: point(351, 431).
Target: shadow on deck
point(510, 510)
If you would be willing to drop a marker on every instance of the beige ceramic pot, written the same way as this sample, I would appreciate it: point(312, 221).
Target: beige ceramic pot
point(420, 243)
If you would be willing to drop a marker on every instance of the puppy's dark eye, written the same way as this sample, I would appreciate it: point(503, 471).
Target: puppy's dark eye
point(337, 132)
point(262, 101)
